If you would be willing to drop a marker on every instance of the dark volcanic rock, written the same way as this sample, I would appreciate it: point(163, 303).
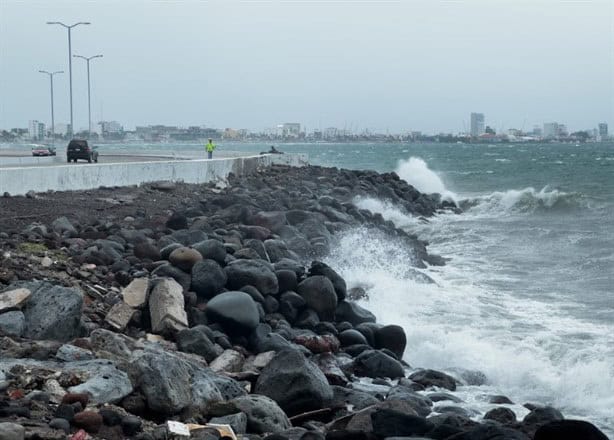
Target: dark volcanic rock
point(211, 250)
point(432, 378)
point(351, 337)
point(253, 273)
point(319, 268)
point(489, 432)
point(235, 311)
point(263, 414)
point(195, 340)
point(542, 415)
point(391, 337)
point(569, 430)
point(208, 278)
point(501, 414)
point(170, 271)
point(390, 423)
point(286, 279)
point(354, 314)
point(319, 294)
point(52, 312)
point(374, 363)
point(420, 404)
point(177, 221)
point(295, 383)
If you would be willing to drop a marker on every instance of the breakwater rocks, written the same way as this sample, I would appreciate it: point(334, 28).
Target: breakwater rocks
point(211, 306)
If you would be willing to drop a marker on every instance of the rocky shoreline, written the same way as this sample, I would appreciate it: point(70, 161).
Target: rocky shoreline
point(174, 310)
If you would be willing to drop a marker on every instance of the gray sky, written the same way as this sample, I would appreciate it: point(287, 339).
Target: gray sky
point(402, 65)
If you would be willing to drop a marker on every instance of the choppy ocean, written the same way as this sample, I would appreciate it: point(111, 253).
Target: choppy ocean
point(527, 296)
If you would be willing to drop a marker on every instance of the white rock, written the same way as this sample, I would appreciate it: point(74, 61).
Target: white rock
point(13, 299)
point(135, 293)
point(230, 361)
point(166, 307)
point(120, 315)
point(46, 262)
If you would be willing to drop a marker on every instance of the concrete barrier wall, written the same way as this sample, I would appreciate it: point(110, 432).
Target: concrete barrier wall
point(20, 180)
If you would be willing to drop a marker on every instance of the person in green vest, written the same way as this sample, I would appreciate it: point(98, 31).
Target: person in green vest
point(210, 147)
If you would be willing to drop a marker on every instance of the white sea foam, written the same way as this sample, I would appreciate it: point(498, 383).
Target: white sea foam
point(527, 348)
point(523, 200)
point(416, 172)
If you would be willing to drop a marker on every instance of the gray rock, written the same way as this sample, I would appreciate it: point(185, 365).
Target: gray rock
point(420, 404)
point(374, 363)
point(353, 313)
point(294, 382)
point(204, 390)
point(135, 294)
point(63, 226)
point(12, 323)
point(319, 294)
point(166, 307)
point(170, 271)
point(229, 388)
point(542, 415)
point(119, 316)
point(433, 378)
point(391, 337)
point(53, 312)
point(72, 353)
point(235, 311)
point(212, 250)
point(263, 414)
point(164, 381)
point(12, 431)
point(208, 278)
point(255, 273)
point(184, 258)
point(105, 384)
point(358, 399)
point(230, 361)
point(238, 422)
point(501, 414)
point(276, 250)
point(319, 268)
point(195, 340)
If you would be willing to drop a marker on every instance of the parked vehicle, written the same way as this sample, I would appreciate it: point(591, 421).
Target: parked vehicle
point(79, 149)
point(42, 150)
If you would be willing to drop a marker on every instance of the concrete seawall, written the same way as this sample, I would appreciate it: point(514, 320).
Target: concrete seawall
point(20, 180)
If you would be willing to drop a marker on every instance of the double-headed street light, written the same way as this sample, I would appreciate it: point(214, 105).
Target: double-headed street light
point(52, 118)
point(69, 27)
point(89, 100)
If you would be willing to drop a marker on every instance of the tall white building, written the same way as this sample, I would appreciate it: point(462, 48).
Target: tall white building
point(603, 131)
point(477, 124)
point(36, 130)
point(551, 130)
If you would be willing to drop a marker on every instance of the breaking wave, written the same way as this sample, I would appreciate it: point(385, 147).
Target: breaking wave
point(416, 172)
point(524, 201)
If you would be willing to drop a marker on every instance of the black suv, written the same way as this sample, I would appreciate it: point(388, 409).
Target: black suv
point(79, 149)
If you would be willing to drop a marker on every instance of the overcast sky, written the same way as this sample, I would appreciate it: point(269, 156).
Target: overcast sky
point(397, 65)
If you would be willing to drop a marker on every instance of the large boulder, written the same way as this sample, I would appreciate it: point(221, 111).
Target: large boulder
point(391, 423)
point(212, 250)
point(195, 340)
point(376, 364)
point(184, 258)
point(255, 273)
point(391, 337)
point(166, 307)
point(263, 414)
point(236, 311)
point(53, 312)
point(319, 268)
point(433, 378)
point(354, 314)
point(569, 430)
point(208, 278)
point(319, 294)
point(164, 380)
point(294, 382)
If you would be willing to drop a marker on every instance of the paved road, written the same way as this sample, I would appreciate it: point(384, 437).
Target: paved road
point(19, 158)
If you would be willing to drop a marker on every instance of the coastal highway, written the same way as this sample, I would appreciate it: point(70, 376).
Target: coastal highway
point(20, 158)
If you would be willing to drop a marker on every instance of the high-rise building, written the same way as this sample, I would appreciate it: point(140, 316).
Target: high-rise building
point(551, 130)
point(477, 124)
point(603, 131)
point(36, 130)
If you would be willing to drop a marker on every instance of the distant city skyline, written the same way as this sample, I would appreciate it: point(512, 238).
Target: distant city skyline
point(390, 66)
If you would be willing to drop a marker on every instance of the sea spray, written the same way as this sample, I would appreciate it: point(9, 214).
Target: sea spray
point(528, 348)
point(416, 172)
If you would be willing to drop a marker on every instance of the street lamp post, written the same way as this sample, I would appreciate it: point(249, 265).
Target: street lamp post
point(52, 118)
point(89, 100)
point(69, 27)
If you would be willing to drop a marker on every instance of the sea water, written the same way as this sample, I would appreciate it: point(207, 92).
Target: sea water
point(525, 304)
